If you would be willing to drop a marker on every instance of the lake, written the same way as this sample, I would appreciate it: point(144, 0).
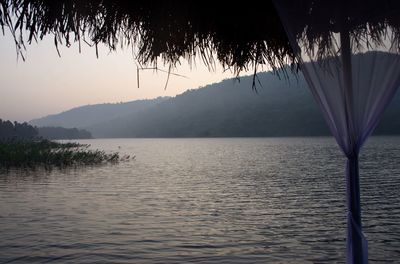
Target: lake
point(225, 200)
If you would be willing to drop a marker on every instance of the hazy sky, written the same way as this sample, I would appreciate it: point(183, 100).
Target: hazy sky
point(46, 84)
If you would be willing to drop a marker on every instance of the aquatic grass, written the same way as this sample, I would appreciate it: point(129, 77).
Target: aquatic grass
point(49, 154)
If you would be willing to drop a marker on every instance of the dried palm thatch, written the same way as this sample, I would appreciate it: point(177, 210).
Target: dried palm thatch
point(368, 22)
point(238, 35)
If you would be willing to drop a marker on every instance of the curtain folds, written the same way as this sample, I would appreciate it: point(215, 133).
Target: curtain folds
point(352, 84)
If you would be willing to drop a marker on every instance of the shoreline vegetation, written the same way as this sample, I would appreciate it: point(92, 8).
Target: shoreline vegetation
point(24, 131)
point(43, 153)
point(28, 147)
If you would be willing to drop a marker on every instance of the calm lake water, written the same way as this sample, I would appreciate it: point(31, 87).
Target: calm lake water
point(259, 200)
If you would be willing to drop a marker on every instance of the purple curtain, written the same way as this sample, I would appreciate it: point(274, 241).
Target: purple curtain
point(352, 83)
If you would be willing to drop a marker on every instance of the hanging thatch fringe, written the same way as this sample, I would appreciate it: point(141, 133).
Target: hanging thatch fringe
point(239, 35)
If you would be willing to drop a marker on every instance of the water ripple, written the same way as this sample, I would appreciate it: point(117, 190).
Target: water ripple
point(202, 201)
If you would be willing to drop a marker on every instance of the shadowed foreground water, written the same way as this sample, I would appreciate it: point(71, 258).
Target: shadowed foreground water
point(278, 200)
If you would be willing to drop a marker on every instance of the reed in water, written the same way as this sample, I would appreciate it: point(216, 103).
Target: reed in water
point(49, 154)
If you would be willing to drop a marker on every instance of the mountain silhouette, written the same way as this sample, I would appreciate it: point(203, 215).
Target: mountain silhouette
point(89, 115)
point(282, 107)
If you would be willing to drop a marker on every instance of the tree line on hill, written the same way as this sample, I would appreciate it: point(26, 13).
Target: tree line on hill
point(24, 131)
point(10, 130)
point(281, 107)
point(225, 109)
point(63, 133)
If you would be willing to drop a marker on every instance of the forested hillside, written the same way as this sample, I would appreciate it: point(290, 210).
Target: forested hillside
point(282, 106)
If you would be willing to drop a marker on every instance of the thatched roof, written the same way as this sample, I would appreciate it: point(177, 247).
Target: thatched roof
point(236, 34)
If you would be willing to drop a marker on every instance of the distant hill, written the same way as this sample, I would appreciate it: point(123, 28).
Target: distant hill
point(282, 107)
point(89, 115)
point(225, 109)
point(62, 133)
point(23, 131)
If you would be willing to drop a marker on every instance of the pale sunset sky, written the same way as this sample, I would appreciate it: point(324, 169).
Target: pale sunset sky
point(46, 84)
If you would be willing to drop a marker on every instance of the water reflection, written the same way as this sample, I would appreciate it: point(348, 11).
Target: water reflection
point(202, 200)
